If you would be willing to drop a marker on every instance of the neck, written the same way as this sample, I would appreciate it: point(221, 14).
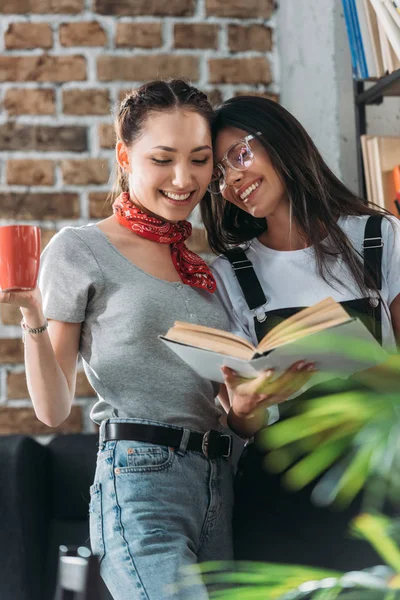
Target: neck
point(283, 233)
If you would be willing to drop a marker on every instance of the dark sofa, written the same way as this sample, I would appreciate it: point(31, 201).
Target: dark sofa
point(44, 502)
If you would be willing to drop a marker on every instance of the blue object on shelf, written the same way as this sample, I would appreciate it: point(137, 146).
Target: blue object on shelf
point(351, 38)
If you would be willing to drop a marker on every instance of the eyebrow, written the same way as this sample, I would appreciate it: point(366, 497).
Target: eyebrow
point(168, 149)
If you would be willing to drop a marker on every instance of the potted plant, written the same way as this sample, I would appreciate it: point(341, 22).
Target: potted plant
point(348, 439)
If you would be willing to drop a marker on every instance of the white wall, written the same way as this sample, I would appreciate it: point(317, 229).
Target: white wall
point(316, 82)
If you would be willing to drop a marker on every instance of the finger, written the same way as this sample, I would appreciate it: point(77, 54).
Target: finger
point(258, 385)
point(5, 297)
point(231, 378)
point(295, 386)
point(292, 375)
point(290, 382)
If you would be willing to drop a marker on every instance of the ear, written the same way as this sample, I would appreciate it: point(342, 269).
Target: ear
point(122, 156)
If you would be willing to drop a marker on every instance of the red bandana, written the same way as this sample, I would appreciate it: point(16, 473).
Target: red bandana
point(191, 268)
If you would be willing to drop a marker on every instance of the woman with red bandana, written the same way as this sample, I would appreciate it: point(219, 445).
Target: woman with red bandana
point(162, 494)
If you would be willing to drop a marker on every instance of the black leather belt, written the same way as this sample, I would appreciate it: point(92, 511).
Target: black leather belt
point(211, 444)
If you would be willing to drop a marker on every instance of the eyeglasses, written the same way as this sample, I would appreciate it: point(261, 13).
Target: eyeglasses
point(238, 157)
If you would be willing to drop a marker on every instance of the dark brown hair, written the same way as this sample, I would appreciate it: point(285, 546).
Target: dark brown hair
point(317, 196)
point(154, 96)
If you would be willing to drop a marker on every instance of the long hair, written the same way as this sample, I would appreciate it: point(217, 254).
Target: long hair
point(316, 195)
point(151, 97)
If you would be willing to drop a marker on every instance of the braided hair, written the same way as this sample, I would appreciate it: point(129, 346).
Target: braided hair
point(154, 96)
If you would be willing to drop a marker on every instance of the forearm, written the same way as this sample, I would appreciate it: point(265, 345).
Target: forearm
point(47, 384)
point(247, 426)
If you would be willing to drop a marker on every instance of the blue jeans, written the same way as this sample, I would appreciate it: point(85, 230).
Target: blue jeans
point(154, 510)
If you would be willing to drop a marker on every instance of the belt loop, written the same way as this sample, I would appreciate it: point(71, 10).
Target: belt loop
point(184, 442)
point(102, 433)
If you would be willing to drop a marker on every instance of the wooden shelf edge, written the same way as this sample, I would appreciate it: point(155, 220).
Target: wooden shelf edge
point(381, 88)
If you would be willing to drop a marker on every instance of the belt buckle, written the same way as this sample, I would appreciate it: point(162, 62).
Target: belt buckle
point(229, 452)
point(205, 443)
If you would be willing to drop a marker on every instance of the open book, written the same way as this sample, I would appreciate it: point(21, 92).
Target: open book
point(324, 333)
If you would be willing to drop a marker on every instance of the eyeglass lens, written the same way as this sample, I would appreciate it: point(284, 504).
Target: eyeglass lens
point(239, 157)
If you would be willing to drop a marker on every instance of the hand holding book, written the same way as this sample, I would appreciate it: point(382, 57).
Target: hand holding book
point(323, 334)
point(249, 398)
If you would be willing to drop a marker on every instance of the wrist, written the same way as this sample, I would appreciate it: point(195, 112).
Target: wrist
point(33, 316)
point(247, 425)
point(251, 415)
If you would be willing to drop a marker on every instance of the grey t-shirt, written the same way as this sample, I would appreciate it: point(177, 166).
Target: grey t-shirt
point(85, 279)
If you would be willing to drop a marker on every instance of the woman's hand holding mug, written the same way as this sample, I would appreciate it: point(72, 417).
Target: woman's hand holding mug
point(19, 265)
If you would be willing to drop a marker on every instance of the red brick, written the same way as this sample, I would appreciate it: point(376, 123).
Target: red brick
point(123, 93)
point(138, 8)
point(215, 97)
point(11, 350)
point(45, 236)
point(252, 37)
point(195, 35)
point(107, 137)
point(83, 387)
point(143, 68)
point(86, 102)
point(88, 33)
point(239, 70)
point(20, 36)
point(17, 388)
point(39, 206)
point(268, 95)
point(85, 172)
point(250, 9)
point(30, 172)
point(138, 35)
point(20, 101)
point(10, 315)
point(43, 138)
point(16, 420)
point(19, 7)
point(42, 68)
point(99, 205)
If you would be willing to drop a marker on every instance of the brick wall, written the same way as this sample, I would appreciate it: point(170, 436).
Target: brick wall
point(63, 65)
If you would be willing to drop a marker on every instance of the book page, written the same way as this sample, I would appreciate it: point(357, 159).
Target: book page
point(367, 167)
point(298, 335)
point(210, 338)
point(374, 37)
point(210, 342)
point(387, 157)
point(325, 312)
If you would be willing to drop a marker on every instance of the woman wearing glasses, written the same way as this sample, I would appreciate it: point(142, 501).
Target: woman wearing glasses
point(299, 235)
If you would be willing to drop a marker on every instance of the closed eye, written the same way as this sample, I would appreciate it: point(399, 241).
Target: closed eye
point(160, 162)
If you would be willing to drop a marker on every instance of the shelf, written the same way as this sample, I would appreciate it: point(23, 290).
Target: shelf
point(389, 85)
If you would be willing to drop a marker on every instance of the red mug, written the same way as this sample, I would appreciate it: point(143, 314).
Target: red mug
point(19, 257)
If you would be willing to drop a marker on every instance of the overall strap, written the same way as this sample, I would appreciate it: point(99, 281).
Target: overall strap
point(373, 244)
point(247, 278)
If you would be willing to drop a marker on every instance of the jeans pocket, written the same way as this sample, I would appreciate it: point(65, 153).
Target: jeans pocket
point(96, 521)
point(137, 457)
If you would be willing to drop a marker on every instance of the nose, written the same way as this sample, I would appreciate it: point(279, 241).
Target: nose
point(181, 177)
point(232, 177)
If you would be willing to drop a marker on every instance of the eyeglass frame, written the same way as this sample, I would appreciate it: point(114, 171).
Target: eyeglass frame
point(246, 140)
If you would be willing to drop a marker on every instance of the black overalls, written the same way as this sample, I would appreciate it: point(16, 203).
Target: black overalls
point(270, 523)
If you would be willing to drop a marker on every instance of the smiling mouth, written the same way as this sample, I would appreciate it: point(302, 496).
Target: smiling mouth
point(178, 198)
point(249, 190)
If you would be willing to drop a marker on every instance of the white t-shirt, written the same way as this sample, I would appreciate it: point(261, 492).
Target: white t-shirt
point(291, 278)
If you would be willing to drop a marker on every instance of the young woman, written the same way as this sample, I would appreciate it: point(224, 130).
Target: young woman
point(162, 494)
point(299, 235)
